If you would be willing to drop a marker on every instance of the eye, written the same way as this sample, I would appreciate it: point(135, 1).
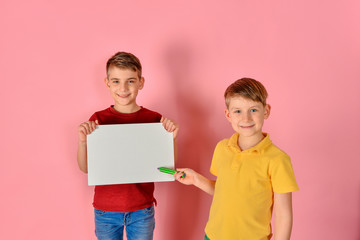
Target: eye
point(237, 111)
point(253, 110)
point(115, 81)
point(131, 81)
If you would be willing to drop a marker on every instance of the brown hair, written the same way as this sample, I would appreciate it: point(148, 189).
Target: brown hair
point(248, 88)
point(124, 60)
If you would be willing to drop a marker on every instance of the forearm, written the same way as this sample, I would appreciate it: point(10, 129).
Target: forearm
point(283, 226)
point(283, 216)
point(204, 184)
point(196, 179)
point(82, 156)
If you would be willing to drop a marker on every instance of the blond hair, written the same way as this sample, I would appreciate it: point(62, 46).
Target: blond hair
point(248, 88)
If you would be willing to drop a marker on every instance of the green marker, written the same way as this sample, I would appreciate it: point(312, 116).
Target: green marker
point(170, 171)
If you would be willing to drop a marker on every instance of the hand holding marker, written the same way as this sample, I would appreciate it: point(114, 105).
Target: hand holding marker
point(170, 171)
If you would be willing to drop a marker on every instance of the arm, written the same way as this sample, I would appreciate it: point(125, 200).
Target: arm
point(196, 179)
point(173, 127)
point(83, 130)
point(283, 216)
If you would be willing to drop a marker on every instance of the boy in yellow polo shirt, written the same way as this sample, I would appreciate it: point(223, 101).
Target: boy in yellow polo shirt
point(254, 177)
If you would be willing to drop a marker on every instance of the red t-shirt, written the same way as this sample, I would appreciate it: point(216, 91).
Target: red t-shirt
point(124, 197)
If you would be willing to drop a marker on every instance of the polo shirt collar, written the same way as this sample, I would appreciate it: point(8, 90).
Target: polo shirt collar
point(260, 147)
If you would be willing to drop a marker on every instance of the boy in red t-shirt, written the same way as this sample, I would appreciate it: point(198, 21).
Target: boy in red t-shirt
point(123, 205)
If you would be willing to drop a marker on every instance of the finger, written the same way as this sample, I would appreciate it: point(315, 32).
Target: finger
point(178, 177)
point(83, 126)
point(162, 119)
point(169, 126)
point(165, 122)
point(179, 173)
point(182, 175)
point(166, 125)
point(173, 127)
point(182, 169)
point(87, 127)
point(90, 126)
point(82, 130)
point(93, 126)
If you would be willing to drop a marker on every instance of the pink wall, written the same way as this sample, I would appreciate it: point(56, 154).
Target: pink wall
point(53, 54)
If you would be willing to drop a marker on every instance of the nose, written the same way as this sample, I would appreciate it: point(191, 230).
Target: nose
point(123, 87)
point(247, 117)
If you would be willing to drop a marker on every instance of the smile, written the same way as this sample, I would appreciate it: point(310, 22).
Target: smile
point(123, 95)
point(247, 127)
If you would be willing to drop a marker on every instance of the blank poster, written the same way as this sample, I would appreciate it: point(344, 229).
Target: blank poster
point(129, 153)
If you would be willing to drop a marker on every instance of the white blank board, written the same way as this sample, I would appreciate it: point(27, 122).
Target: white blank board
point(129, 153)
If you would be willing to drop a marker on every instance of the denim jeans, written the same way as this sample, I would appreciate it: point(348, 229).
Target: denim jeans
point(139, 224)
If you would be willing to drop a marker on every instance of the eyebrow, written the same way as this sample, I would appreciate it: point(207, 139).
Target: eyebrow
point(240, 107)
point(114, 78)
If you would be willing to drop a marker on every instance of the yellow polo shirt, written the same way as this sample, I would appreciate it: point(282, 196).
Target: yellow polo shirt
point(246, 180)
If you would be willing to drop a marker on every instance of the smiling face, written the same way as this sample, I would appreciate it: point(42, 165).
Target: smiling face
point(124, 85)
point(247, 116)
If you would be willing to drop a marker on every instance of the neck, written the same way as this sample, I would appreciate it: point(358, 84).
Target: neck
point(127, 109)
point(249, 142)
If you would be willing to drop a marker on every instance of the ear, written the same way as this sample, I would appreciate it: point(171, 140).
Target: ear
point(227, 114)
point(267, 111)
point(107, 83)
point(142, 82)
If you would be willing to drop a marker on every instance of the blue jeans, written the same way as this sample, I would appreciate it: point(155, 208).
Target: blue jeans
point(139, 224)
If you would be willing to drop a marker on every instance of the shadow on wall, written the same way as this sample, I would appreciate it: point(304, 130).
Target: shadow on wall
point(185, 220)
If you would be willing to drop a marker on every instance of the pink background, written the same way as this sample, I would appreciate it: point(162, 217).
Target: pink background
point(52, 65)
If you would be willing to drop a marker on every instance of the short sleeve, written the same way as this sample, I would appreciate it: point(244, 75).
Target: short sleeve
point(159, 116)
point(214, 168)
point(282, 175)
point(93, 117)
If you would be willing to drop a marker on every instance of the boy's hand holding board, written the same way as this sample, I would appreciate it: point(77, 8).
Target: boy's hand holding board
point(171, 171)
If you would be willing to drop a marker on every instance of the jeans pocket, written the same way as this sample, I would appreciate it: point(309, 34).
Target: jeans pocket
point(99, 212)
point(149, 210)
